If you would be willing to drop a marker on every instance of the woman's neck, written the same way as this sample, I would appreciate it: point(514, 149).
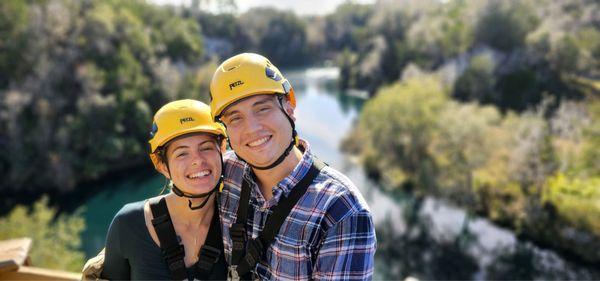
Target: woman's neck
point(181, 212)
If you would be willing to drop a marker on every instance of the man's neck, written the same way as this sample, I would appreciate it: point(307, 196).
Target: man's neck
point(266, 179)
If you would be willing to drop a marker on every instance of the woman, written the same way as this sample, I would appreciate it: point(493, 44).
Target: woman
point(174, 236)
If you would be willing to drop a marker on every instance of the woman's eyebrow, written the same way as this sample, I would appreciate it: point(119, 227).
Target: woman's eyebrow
point(203, 142)
point(178, 147)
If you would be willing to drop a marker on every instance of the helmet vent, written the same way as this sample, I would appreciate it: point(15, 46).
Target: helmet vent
point(272, 74)
point(154, 130)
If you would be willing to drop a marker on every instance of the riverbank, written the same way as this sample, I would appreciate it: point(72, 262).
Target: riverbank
point(519, 170)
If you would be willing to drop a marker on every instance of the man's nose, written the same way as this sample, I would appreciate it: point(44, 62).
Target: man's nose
point(253, 124)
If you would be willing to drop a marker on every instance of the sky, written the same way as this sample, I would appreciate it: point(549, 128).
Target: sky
point(300, 7)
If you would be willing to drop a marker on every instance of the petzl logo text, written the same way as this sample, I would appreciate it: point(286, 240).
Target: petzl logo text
point(186, 119)
point(235, 84)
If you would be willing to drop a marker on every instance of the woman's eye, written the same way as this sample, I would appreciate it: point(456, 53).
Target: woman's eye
point(181, 154)
point(263, 109)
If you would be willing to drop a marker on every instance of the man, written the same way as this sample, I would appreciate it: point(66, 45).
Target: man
point(284, 214)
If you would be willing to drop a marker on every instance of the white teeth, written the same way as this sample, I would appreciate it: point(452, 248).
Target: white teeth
point(199, 174)
point(258, 142)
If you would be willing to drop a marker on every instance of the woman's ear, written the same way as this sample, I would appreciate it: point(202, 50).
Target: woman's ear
point(223, 146)
point(162, 168)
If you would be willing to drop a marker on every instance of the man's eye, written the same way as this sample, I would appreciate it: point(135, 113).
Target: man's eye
point(181, 154)
point(263, 109)
point(207, 148)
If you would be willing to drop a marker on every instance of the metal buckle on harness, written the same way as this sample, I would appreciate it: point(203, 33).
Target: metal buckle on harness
point(232, 274)
point(174, 252)
point(173, 266)
point(238, 236)
point(208, 256)
point(172, 256)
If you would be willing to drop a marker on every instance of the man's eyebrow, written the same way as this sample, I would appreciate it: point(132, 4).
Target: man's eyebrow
point(259, 102)
point(262, 101)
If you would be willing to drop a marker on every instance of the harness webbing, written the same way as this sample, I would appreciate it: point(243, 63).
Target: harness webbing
point(255, 248)
point(173, 252)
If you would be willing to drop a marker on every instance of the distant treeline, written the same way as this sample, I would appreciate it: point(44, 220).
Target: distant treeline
point(506, 53)
point(80, 80)
point(494, 105)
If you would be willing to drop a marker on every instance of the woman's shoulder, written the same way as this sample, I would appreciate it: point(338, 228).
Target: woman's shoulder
point(130, 212)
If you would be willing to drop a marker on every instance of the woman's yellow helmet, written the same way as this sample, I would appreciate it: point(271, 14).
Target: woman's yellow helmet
point(179, 118)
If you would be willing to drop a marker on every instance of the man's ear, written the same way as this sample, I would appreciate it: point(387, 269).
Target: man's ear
point(289, 109)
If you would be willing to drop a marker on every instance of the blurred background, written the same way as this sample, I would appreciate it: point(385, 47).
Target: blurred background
point(472, 128)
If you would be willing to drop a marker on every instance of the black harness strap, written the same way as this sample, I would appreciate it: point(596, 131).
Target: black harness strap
point(174, 252)
point(238, 229)
point(257, 247)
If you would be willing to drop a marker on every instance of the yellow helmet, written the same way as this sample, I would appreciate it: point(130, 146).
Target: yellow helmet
point(179, 118)
point(246, 75)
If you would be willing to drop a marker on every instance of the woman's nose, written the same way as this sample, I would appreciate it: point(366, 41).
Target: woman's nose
point(198, 158)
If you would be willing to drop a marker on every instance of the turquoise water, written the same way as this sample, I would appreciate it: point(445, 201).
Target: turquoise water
point(422, 237)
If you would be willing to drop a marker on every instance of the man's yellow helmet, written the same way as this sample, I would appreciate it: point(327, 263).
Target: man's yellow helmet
point(246, 75)
point(179, 118)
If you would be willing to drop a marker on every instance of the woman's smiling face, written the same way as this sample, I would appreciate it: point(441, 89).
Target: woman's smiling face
point(194, 162)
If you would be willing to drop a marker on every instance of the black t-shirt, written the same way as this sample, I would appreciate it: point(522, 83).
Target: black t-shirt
point(132, 254)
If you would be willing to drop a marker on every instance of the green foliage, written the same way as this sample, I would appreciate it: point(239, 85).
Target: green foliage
point(92, 75)
point(519, 51)
point(462, 144)
point(221, 26)
point(505, 25)
point(56, 240)
point(446, 32)
point(182, 39)
point(477, 81)
point(14, 19)
point(414, 107)
point(577, 200)
point(522, 170)
point(345, 28)
point(346, 61)
point(280, 36)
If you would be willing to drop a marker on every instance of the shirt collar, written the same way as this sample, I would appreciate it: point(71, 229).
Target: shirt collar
point(285, 186)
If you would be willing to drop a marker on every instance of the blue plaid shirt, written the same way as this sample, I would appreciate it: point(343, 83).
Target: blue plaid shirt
point(329, 234)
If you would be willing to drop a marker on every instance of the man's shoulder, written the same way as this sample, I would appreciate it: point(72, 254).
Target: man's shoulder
point(339, 196)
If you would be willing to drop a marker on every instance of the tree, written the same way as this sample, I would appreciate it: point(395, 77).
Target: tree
point(505, 25)
point(56, 239)
point(280, 36)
